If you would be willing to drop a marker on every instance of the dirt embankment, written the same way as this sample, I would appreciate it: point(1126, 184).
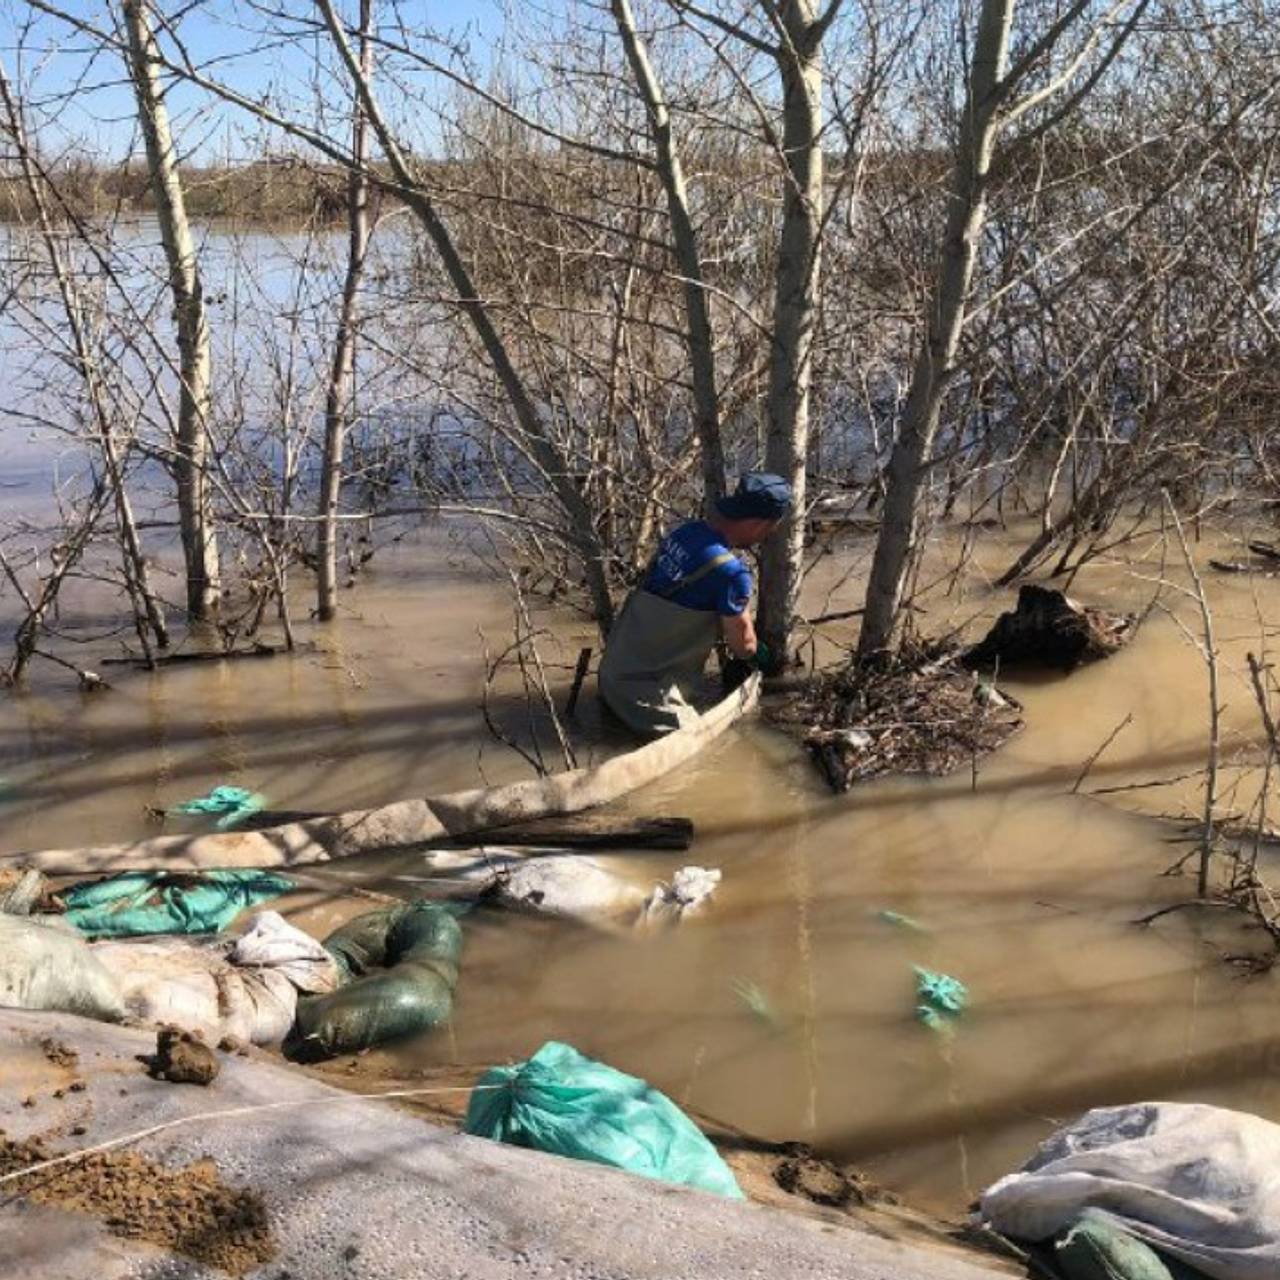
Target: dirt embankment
point(188, 1210)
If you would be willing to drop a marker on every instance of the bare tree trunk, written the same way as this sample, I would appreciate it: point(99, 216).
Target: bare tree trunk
point(340, 376)
point(148, 615)
point(199, 540)
point(702, 363)
point(795, 311)
point(546, 450)
point(966, 211)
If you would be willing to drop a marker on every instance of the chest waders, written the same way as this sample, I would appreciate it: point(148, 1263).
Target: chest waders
point(656, 655)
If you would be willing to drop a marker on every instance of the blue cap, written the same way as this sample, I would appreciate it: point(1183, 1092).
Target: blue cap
point(759, 496)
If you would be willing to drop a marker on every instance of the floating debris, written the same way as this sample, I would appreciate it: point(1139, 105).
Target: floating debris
point(232, 805)
point(942, 999)
point(923, 714)
point(757, 1003)
point(898, 920)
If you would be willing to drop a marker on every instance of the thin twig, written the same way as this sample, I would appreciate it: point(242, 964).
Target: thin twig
point(1210, 655)
point(1093, 759)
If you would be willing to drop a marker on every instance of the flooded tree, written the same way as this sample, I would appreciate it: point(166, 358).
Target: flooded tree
point(190, 462)
point(341, 377)
point(85, 358)
point(990, 105)
point(688, 253)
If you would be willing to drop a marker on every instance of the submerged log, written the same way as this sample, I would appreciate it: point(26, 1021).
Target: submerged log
point(1048, 629)
point(566, 831)
point(597, 831)
point(182, 659)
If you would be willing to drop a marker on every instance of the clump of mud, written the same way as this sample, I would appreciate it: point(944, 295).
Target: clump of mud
point(922, 714)
point(59, 1054)
point(803, 1173)
point(190, 1211)
point(182, 1058)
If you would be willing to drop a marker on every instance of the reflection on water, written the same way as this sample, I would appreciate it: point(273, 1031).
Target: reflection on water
point(1025, 892)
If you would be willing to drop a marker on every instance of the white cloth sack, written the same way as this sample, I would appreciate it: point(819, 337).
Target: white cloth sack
point(44, 966)
point(571, 887)
point(685, 895)
point(245, 987)
point(1199, 1183)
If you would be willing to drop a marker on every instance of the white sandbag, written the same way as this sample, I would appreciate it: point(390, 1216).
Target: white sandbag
point(272, 944)
point(246, 988)
point(20, 890)
point(1199, 1183)
point(570, 887)
point(45, 967)
point(685, 895)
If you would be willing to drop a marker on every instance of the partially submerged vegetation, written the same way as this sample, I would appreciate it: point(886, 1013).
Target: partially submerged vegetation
point(922, 714)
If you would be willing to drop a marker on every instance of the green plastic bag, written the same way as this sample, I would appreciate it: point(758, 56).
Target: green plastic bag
point(399, 966)
point(1096, 1248)
point(231, 805)
point(140, 902)
point(942, 999)
point(562, 1102)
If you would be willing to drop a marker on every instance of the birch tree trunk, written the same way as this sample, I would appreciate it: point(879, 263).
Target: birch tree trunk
point(190, 464)
point(341, 373)
point(795, 311)
point(699, 335)
point(966, 211)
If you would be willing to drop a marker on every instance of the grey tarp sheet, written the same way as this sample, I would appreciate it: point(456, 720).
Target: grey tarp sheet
point(1199, 1183)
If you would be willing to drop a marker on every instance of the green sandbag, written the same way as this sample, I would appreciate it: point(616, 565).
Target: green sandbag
point(399, 967)
point(142, 902)
point(1095, 1247)
point(562, 1102)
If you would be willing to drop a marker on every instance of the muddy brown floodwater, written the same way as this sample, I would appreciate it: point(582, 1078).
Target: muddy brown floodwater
point(1024, 891)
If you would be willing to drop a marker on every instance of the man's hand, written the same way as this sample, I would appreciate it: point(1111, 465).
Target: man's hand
point(742, 642)
point(765, 660)
point(739, 635)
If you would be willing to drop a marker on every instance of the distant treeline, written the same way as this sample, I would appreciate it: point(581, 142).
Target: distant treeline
point(262, 191)
point(287, 189)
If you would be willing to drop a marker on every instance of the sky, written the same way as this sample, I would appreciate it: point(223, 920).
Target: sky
point(77, 94)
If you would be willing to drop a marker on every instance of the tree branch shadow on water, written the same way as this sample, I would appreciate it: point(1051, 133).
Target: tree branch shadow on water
point(405, 737)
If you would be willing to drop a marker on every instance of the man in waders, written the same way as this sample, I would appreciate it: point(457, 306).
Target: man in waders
point(694, 594)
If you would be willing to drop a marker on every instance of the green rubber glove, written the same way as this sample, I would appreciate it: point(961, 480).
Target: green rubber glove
point(762, 659)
